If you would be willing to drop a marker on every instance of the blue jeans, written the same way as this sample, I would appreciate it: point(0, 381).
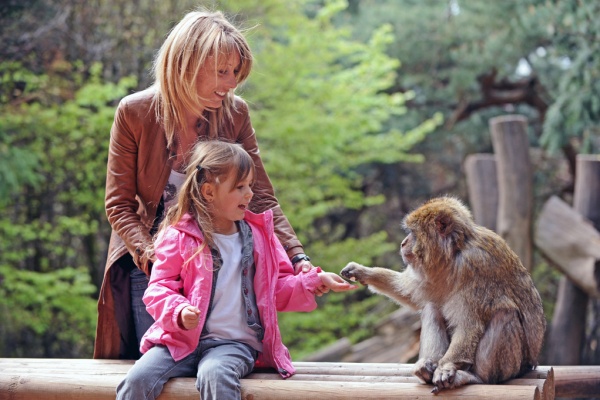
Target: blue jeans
point(141, 318)
point(217, 364)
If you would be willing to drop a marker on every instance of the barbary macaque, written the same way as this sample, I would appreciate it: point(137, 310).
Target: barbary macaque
point(481, 317)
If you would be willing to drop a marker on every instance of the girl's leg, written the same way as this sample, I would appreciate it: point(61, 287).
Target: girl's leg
point(141, 318)
point(223, 364)
point(145, 380)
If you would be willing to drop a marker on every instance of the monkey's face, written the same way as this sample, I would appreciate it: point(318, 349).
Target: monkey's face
point(406, 249)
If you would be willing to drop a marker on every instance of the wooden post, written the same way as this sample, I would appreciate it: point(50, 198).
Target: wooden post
point(568, 324)
point(587, 201)
point(482, 181)
point(515, 188)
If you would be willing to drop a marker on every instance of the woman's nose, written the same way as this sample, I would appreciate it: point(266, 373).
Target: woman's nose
point(230, 81)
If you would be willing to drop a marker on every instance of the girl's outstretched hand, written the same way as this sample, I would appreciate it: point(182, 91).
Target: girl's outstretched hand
point(335, 282)
point(189, 317)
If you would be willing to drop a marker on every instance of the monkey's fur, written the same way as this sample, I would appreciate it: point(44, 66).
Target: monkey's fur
point(481, 317)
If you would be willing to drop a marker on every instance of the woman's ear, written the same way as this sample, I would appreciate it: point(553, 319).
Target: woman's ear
point(208, 191)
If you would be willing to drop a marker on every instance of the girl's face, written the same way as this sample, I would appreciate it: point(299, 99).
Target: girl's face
point(228, 202)
point(213, 87)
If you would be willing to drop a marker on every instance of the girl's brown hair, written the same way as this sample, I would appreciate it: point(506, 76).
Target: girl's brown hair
point(211, 162)
point(200, 34)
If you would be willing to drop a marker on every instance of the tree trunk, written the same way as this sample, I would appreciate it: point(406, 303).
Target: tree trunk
point(482, 182)
point(587, 201)
point(515, 201)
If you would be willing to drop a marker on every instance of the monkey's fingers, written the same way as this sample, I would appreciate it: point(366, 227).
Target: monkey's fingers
point(435, 389)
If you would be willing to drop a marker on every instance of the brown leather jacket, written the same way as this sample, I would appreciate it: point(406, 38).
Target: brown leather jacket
point(139, 165)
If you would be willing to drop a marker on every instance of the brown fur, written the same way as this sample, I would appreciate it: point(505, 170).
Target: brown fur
point(482, 318)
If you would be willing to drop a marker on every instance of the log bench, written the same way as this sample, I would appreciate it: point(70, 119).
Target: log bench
point(65, 379)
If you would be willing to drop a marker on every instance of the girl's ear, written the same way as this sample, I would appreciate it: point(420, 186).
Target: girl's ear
point(208, 191)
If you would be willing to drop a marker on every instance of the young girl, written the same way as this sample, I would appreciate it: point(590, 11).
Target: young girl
point(220, 277)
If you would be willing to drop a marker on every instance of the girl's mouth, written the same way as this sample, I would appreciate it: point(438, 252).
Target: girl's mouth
point(242, 207)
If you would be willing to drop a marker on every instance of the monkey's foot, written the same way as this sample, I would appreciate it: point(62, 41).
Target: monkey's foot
point(424, 369)
point(354, 271)
point(448, 377)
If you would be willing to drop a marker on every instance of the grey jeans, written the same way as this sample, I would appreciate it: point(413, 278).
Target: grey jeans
point(218, 366)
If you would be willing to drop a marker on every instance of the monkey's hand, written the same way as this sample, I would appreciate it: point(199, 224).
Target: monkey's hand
point(424, 369)
point(355, 271)
point(443, 377)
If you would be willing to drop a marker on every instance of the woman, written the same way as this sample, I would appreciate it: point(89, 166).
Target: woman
point(198, 67)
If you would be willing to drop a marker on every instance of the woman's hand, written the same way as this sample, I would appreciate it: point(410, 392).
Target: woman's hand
point(334, 282)
point(302, 266)
point(189, 317)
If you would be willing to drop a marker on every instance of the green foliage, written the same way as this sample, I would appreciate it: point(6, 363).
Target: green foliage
point(53, 207)
point(46, 314)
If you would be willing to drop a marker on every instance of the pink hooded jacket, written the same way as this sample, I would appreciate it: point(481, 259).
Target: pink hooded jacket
point(172, 288)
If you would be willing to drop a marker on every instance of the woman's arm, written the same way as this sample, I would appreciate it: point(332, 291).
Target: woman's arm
point(121, 188)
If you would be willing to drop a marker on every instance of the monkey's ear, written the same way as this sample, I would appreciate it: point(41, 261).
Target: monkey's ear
point(444, 224)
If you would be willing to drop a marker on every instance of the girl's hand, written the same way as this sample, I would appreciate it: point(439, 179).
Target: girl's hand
point(334, 282)
point(189, 317)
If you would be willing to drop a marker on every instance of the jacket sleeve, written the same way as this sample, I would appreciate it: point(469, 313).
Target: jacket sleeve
point(264, 195)
point(294, 292)
point(163, 297)
point(121, 188)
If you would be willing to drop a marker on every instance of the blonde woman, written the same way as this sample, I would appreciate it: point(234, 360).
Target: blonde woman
point(197, 69)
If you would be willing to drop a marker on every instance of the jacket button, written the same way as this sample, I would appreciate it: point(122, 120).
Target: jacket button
point(249, 312)
point(286, 247)
point(245, 291)
point(173, 154)
point(137, 251)
point(245, 272)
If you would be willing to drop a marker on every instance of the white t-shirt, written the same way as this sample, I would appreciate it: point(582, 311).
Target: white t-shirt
point(228, 318)
point(171, 191)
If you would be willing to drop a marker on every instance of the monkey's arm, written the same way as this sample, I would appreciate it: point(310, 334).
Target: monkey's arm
point(399, 286)
point(461, 352)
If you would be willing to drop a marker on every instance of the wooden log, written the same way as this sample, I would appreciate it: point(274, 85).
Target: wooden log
point(587, 201)
point(482, 182)
point(570, 241)
point(544, 386)
point(577, 381)
point(515, 184)
point(85, 387)
point(568, 325)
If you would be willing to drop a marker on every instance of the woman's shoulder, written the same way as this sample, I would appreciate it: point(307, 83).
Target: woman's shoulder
point(139, 104)
point(240, 107)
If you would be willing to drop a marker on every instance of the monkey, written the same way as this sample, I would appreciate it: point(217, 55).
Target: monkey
point(482, 319)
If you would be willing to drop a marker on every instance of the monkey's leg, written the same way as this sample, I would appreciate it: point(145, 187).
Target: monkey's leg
point(434, 342)
point(395, 285)
point(502, 349)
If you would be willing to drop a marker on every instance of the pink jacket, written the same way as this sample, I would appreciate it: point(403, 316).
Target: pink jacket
point(172, 288)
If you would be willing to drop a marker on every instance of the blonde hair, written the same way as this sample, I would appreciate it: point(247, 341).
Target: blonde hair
point(211, 162)
point(200, 34)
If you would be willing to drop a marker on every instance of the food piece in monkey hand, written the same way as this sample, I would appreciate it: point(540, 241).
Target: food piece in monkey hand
point(481, 317)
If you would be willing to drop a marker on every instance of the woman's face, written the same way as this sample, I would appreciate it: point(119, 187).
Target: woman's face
point(214, 83)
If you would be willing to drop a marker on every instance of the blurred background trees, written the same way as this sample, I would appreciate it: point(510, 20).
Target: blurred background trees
point(362, 109)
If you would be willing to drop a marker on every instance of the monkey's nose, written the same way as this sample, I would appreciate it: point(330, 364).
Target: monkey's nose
point(404, 241)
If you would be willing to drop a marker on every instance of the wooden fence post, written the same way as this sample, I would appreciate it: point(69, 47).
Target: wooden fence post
point(587, 201)
point(482, 181)
point(568, 324)
point(515, 187)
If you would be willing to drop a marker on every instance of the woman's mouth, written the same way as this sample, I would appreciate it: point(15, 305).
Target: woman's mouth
point(221, 94)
